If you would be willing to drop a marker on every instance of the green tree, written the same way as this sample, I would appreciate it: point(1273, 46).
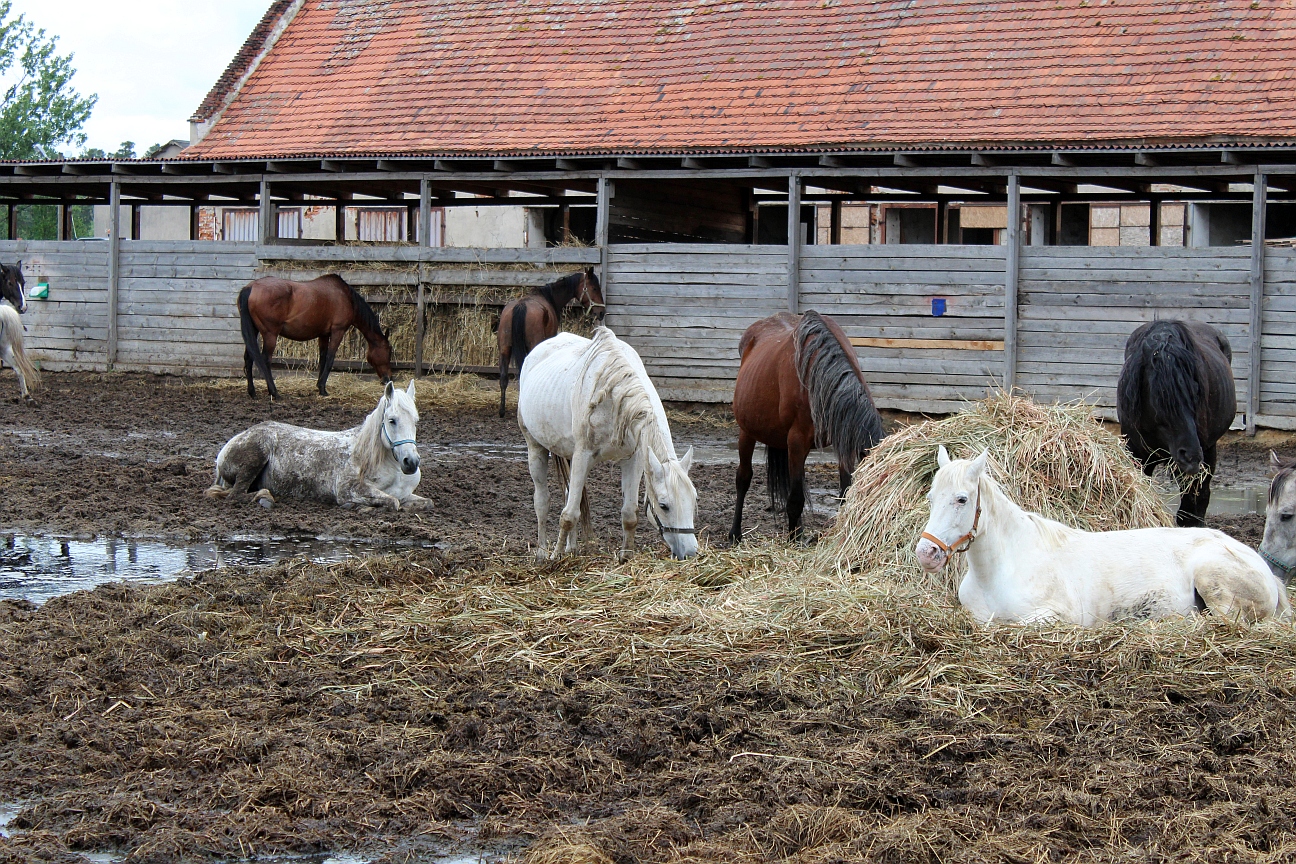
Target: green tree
point(40, 110)
point(125, 151)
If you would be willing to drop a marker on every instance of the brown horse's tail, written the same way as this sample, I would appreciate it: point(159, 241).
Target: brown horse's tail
point(564, 479)
point(520, 347)
point(250, 333)
point(778, 477)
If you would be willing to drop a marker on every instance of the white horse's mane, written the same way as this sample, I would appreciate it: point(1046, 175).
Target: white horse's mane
point(618, 380)
point(997, 504)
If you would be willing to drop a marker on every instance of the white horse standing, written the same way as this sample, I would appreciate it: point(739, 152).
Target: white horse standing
point(12, 287)
point(375, 464)
point(588, 401)
point(1024, 568)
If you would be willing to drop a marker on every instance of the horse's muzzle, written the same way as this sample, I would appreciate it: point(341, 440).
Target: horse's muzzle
point(410, 464)
point(930, 556)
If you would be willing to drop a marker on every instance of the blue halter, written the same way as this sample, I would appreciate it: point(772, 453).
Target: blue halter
point(394, 444)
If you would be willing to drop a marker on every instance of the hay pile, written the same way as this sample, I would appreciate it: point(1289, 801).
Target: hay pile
point(1055, 460)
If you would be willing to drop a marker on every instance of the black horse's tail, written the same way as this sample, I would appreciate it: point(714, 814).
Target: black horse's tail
point(250, 333)
point(520, 347)
point(778, 478)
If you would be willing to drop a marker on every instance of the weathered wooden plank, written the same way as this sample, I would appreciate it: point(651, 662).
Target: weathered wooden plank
point(953, 344)
point(442, 254)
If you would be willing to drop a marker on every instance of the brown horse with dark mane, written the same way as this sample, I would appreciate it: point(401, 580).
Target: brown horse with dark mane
point(323, 309)
point(529, 320)
point(799, 387)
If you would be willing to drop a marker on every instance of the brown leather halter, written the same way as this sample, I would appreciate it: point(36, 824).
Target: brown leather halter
point(966, 540)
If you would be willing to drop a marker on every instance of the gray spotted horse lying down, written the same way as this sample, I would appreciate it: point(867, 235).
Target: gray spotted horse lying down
point(376, 464)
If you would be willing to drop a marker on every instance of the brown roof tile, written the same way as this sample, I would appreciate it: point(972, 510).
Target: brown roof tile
point(441, 77)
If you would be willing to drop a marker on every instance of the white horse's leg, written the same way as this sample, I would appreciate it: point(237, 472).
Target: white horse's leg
point(6, 353)
point(631, 475)
point(538, 462)
point(580, 467)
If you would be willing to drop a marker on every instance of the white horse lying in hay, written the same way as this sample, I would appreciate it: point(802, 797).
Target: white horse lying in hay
point(376, 464)
point(1025, 568)
point(588, 401)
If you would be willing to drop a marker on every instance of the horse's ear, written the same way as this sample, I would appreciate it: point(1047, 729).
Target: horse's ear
point(409, 391)
point(978, 466)
point(1275, 464)
point(687, 461)
point(655, 466)
point(942, 456)
point(389, 391)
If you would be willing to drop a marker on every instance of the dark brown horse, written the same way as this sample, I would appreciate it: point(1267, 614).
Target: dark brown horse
point(529, 320)
point(799, 387)
point(323, 309)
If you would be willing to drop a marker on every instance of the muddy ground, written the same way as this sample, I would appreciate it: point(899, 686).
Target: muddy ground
point(131, 454)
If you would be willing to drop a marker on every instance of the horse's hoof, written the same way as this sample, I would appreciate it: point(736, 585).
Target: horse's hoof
point(541, 555)
point(266, 503)
point(625, 555)
point(264, 498)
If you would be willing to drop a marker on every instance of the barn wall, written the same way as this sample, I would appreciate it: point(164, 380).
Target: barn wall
point(70, 330)
point(1079, 304)
point(684, 308)
point(176, 306)
point(1278, 340)
point(883, 294)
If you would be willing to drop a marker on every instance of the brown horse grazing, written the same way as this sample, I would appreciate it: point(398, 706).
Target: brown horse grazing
point(323, 309)
point(529, 320)
point(799, 387)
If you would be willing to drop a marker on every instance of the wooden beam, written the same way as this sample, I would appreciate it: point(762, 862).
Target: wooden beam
point(425, 240)
point(794, 243)
point(1062, 160)
point(269, 230)
point(1011, 274)
point(942, 344)
point(602, 229)
point(114, 268)
point(1259, 204)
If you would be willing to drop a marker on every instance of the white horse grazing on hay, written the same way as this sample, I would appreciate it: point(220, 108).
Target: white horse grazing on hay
point(1025, 568)
point(375, 464)
point(588, 401)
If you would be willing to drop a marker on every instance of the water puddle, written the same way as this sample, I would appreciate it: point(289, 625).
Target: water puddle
point(40, 568)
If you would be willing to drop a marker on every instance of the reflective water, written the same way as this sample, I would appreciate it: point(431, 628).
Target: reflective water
point(1238, 500)
point(39, 568)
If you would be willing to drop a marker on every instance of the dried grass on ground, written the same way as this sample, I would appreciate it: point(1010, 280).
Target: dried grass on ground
point(742, 706)
point(1051, 459)
point(434, 392)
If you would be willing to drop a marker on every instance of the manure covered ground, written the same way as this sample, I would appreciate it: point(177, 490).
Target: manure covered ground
point(738, 707)
point(649, 712)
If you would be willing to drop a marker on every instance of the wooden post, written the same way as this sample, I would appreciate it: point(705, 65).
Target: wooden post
point(60, 215)
point(1154, 222)
point(1011, 271)
point(269, 227)
point(339, 220)
point(136, 229)
point(114, 268)
point(1259, 204)
point(794, 243)
point(602, 229)
point(13, 222)
point(942, 220)
point(834, 223)
point(193, 221)
point(565, 211)
point(425, 240)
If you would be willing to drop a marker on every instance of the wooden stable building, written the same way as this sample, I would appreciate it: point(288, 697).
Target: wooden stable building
point(690, 143)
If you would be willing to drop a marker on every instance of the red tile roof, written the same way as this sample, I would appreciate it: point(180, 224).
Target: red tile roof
point(380, 77)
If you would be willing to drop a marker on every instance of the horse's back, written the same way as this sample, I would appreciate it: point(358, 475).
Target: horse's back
point(768, 397)
point(545, 391)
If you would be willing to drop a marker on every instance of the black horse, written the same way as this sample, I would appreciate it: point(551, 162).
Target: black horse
point(1175, 399)
point(13, 286)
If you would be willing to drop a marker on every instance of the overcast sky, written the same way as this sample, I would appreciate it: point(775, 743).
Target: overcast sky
point(150, 61)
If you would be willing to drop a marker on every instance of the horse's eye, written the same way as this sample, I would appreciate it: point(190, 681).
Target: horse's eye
point(1286, 517)
point(962, 499)
point(666, 508)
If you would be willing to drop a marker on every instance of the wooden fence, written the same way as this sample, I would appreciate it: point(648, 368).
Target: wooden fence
point(928, 322)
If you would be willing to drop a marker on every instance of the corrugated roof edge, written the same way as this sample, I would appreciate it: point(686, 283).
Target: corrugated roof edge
point(259, 41)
